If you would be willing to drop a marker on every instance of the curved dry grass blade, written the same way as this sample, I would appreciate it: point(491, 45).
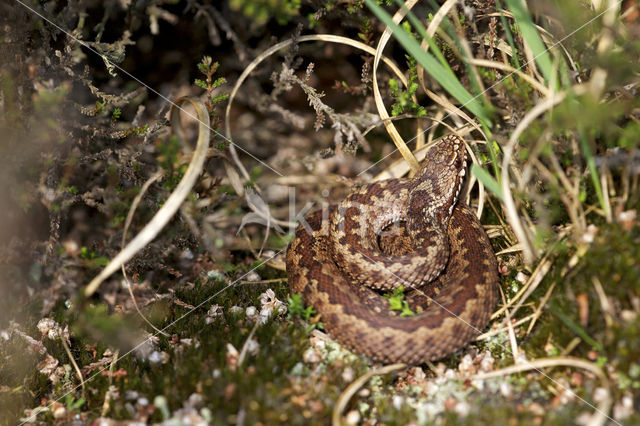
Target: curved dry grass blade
point(431, 30)
point(108, 396)
point(134, 205)
point(382, 110)
point(601, 415)
point(171, 206)
point(511, 70)
point(454, 110)
point(448, 81)
point(346, 395)
point(528, 250)
point(276, 47)
point(400, 167)
point(247, 343)
point(511, 212)
point(533, 40)
point(546, 36)
point(515, 351)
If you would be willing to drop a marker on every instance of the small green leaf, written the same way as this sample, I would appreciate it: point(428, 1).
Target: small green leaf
point(397, 302)
point(297, 309)
point(219, 82)
point(100, 106)
point(220, 98)
point(406, 311)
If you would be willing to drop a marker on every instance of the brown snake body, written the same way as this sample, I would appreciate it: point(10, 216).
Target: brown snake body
point(439, 253)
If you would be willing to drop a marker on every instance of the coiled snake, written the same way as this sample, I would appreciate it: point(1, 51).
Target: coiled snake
point(399, 232)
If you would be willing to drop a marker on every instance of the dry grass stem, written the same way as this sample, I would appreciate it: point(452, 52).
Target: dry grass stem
point(600, 416)
point(73, 362)
point(127, 223)
point(382, 110)
point(171, 206)
point(523, 235)
point(345, 396)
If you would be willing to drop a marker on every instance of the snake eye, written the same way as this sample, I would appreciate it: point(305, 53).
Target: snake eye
point(457, 162)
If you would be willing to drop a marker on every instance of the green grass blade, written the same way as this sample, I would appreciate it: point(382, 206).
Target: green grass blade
point(487, 180)
point(432, 66)
point(533, 40)
point(593, 170)
point(422, 31)
point(509, 36)
point(574, 327)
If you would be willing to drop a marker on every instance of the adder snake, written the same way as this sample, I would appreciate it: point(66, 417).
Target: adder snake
point(409, 232)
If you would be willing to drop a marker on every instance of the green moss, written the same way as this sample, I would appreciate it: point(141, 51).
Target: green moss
point(168, 158)
point(274, 386)
point(261, 387)
point(263, 10)
point(612, 262)
point(486, 411)
point(18, 373)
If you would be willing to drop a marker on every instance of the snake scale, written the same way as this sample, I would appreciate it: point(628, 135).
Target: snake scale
point(410, 232)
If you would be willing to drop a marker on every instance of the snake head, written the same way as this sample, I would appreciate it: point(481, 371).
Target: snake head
point(437, 184)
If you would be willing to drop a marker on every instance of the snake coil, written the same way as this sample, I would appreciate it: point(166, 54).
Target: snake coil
point(399, 232)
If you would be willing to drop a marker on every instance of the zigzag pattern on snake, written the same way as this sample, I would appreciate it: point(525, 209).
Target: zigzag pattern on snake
point(410, 232)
